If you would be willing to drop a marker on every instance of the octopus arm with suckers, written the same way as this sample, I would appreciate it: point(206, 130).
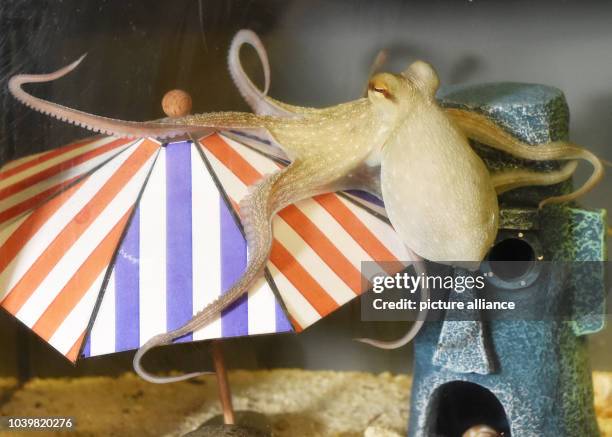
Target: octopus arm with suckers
point(396, 142)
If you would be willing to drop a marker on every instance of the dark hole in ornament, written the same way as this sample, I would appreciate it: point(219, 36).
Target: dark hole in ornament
point(511, 258)
point(459, 405)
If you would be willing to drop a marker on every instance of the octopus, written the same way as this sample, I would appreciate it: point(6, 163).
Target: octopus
point(395, 142)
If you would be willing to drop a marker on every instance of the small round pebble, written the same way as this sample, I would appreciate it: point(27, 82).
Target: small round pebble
point(176, 103)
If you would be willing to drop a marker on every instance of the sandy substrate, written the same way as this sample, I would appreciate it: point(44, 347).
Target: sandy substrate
point(297, 403)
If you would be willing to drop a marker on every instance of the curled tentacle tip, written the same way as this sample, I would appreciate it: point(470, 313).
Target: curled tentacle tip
point(378, 343)
point(364, 340)
point(395, 344)
point(76, 63)
point(249, 32)
point(546, 202)
point(170, 379)
point(159, 340)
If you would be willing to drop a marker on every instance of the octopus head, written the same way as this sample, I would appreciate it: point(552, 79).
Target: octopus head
point(423, 78)
point(394, 94)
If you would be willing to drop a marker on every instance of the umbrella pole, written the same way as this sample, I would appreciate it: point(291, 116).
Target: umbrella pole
point(225, 394)
point(177, 103)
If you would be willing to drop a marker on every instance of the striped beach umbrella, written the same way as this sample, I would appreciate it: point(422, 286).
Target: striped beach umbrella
point(107, 242)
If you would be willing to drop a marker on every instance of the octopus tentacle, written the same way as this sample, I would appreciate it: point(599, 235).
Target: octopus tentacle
point(607, 164)
point(165, 128)
point(419, 267)
point(480, 128)
point(257, 210)
point(257, 99)
point(510, 179)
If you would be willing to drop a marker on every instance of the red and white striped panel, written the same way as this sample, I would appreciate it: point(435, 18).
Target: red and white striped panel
point(30, 181)
point(53, 259)
point(319, 243)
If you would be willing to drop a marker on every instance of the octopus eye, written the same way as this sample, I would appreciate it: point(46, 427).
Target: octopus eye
point(380, 88)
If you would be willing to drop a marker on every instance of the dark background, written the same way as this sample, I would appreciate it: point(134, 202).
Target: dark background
point(320, 52)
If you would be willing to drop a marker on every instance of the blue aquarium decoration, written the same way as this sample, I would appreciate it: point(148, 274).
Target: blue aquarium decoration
point(527, 377)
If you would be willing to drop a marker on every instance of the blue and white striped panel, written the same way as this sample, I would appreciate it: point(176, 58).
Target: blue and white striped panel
point(181, 251)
